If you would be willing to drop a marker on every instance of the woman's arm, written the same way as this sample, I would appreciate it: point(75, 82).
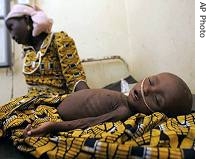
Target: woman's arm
point(71, 65)
point(121, 113)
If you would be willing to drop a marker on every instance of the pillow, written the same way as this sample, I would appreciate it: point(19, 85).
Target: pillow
point(116, 86)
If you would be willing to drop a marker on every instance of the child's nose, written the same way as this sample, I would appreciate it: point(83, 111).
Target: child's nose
point(148, 89)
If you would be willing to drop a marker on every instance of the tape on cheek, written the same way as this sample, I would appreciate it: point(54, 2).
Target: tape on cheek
point(143, 96)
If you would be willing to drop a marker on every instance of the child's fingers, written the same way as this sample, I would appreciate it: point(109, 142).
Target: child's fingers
point(28, 127)
point(27, 130)
point(35, 132)
point(39, 131)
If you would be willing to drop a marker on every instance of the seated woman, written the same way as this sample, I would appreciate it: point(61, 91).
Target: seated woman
point(164, 92)
point(51, 65)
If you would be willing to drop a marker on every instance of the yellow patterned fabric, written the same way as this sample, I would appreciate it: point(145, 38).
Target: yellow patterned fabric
point(140, 136)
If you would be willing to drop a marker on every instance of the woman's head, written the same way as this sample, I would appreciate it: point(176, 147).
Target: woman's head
point(27, 19)
point(20, 29)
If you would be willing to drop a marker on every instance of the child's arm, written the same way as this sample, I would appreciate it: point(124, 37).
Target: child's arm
point(120, 113)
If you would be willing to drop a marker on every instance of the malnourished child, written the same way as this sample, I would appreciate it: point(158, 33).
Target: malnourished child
point(164, 92)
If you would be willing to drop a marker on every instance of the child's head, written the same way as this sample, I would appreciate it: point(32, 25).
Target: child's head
point(164, 92)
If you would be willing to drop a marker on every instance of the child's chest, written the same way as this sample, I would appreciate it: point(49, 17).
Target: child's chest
point(89, 104)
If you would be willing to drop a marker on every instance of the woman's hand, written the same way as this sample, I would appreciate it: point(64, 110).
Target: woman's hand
point(81, 85)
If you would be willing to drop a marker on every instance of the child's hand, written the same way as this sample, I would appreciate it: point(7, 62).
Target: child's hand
point(41, 130)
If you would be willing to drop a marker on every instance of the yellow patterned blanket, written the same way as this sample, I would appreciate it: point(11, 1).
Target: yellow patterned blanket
point(140, 136)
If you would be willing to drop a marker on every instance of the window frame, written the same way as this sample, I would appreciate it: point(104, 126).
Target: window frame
point(6, 52)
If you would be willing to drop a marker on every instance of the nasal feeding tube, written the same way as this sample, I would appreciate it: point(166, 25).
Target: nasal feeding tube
point(143, 96)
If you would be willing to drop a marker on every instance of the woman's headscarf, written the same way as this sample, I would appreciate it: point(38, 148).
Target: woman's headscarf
point(41, 23)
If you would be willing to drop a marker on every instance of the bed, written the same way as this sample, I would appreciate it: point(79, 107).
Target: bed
point(140, 136)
